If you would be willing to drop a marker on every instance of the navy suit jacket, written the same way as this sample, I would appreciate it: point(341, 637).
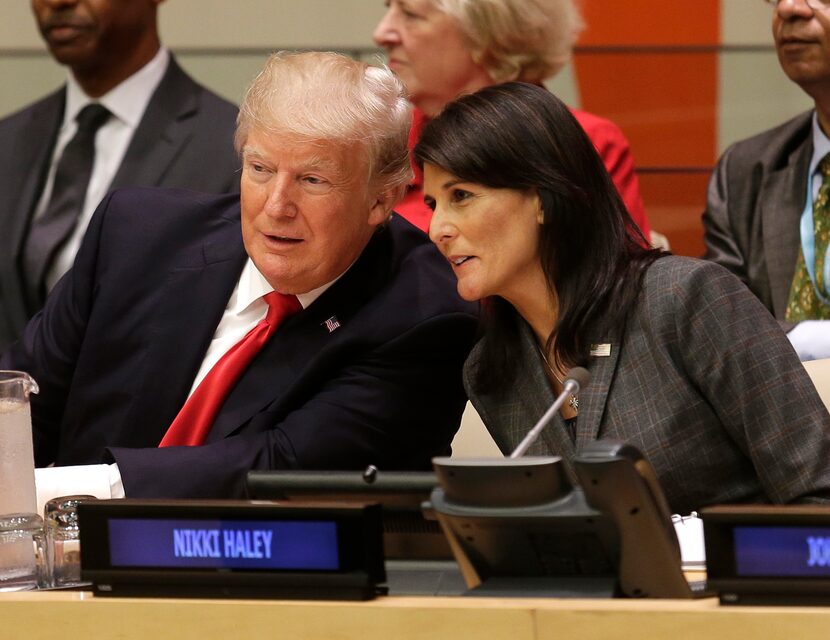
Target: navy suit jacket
point(184, 139)
point(120, 339)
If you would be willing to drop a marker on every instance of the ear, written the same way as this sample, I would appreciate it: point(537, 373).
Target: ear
point(384, 201)
point(540, 212)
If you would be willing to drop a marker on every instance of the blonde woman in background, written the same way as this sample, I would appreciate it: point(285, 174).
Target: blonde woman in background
point(441, 49)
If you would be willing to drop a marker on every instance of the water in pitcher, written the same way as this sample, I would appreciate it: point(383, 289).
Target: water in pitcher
point(20, 526)
point(17, 475)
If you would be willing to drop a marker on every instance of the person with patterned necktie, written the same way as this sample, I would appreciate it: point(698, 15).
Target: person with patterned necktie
point(809, 299)
point(766, 218)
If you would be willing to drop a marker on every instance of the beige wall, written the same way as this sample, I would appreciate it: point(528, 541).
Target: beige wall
point(754, 92)
point(233, 23)
point(221, 42)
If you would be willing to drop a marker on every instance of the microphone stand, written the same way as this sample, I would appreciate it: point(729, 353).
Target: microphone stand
point(576, 379)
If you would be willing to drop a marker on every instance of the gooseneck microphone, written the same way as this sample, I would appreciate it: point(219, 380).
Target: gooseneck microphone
point(577, 378)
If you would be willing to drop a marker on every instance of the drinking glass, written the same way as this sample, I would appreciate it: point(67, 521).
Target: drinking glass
point(63, 543)
point(18, 535)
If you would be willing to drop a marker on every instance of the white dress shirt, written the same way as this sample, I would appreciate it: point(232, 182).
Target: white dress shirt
point(243, 312)
point(127, 103)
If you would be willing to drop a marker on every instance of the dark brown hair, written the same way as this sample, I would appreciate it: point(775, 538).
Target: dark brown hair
point(520, 136)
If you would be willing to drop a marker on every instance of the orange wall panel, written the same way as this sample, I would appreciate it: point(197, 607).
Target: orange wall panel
point(666, 104)
point(675, 202)
point(651, 66)
point(650, 22)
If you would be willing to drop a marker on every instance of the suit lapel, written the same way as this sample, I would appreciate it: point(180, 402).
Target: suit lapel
point(534, 398)
point(781, 199)
point(301, 346)
point(31, 150)
point(593, 398)
point(162, 132)
point(191, 304)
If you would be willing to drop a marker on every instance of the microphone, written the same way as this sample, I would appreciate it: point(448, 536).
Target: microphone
point(577, 378)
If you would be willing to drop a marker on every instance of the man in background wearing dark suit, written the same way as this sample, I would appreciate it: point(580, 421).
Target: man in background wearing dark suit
point(154, 353)
point(128, 115)
point(767, 218)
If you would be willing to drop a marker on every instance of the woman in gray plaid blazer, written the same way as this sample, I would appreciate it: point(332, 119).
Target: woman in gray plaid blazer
point(686, 364)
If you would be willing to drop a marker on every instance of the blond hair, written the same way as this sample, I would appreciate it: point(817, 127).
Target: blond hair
point(323, 96)
point(526, 40)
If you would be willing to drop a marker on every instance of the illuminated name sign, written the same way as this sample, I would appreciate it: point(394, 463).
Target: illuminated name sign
point(227, 543)
point(298, 544)
point(819, 551)
point(782, 551)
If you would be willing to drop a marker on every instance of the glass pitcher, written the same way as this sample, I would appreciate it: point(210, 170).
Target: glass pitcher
point(19, 522)
point(17, 460)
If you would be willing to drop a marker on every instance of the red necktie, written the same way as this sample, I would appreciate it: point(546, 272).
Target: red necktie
point(191, 426)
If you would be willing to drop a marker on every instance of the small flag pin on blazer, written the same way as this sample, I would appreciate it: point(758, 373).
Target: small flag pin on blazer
point(332, 324)
point(601, 350)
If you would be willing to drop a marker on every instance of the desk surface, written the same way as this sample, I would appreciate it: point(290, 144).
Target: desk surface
point(47, 615)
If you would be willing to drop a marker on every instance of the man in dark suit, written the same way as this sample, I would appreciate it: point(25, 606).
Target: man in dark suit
point(159, 128)
point(169, 285)
point(760, 218)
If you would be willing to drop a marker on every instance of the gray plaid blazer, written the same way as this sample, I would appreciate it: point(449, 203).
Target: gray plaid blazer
point(702, 380)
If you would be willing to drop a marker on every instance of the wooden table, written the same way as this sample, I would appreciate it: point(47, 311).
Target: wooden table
point(80, 615)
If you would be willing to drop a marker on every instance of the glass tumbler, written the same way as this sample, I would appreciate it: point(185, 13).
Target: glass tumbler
point(19, 568)
point(63, 544)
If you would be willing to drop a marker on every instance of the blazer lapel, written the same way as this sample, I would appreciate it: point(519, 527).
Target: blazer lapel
point(162, 132)
point(300, 347)
point(531, 399)
point(593, 397)
point(31, 150)
point(191, 304)
point(781, 199)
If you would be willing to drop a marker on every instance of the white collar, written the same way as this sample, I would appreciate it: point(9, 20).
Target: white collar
point(253, 285)
point(128, 100)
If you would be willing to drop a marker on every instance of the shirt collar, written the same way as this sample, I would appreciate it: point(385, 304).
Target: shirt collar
point(821, 145)
point(253, 285)
point(128, 100)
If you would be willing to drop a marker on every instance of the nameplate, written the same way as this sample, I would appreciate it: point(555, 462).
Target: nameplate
point(231, 549)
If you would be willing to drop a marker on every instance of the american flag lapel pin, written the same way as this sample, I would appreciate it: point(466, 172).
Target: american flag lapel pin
point(600, 350)
point(332, 324)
